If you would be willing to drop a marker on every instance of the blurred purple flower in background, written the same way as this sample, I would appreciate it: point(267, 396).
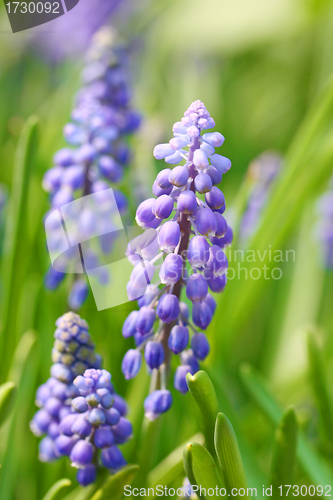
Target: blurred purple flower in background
point(101, 122)
point(182, 248)
point(262, 172)
point(324, 229)
point(3, 197)
point(69, 35)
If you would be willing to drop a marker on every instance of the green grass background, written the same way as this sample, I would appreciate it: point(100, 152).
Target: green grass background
point(265, 72)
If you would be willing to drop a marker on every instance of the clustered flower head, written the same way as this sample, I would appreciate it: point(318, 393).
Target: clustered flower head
point(182, 248)
point(73, 355)
point(97, 155)
point(262, 171)
point(325, 226)
point(94, 424)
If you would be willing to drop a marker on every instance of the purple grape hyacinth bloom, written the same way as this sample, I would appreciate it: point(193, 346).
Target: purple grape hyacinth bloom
point(94, 161)
point(72, 353)
point(186, 252)
point(78, 414)
point(94, 424)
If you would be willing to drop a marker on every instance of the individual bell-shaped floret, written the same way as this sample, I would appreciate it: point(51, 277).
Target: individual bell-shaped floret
point(131, 364)
point(200, 346)
point(187, 202)
point(169, 235)
point(168, 308)
point(206, 222)
point(156, 403)
point(178, 339)
point(171, 269)
point(179, 380)
point(154, 354)
point(198, 251)
point(196, 287)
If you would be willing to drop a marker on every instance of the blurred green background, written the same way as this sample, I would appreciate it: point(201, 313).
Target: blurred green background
point(264, 69)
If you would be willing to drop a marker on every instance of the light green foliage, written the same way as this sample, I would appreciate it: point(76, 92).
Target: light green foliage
point(228, 454)
point(284, 453)
point(202, 390)
point(7, 396)
point(113, 488)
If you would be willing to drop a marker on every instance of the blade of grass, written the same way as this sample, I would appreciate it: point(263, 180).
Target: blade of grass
point(166, 471)
point(15, 228)
point(7, 395)
point(18, 442)
point(319, 385)
point(284, 453)
point(134, 397)
point(229, 458)
point(188, 467)
point(148, 440)
point(254, 475)
point(204, 470)
point(202, 390)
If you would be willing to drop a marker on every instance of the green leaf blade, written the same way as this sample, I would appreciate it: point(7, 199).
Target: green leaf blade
point(201, 471)
point(284, 455)
point(188, 466)
point(203, 392)
point(319, 385)
point(228, 454)
point(15, 228)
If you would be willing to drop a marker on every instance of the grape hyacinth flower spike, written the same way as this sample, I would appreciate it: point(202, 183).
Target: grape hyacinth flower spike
point(72, 355)
point(185, 234)
point(94, 424)
point(95, 161)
